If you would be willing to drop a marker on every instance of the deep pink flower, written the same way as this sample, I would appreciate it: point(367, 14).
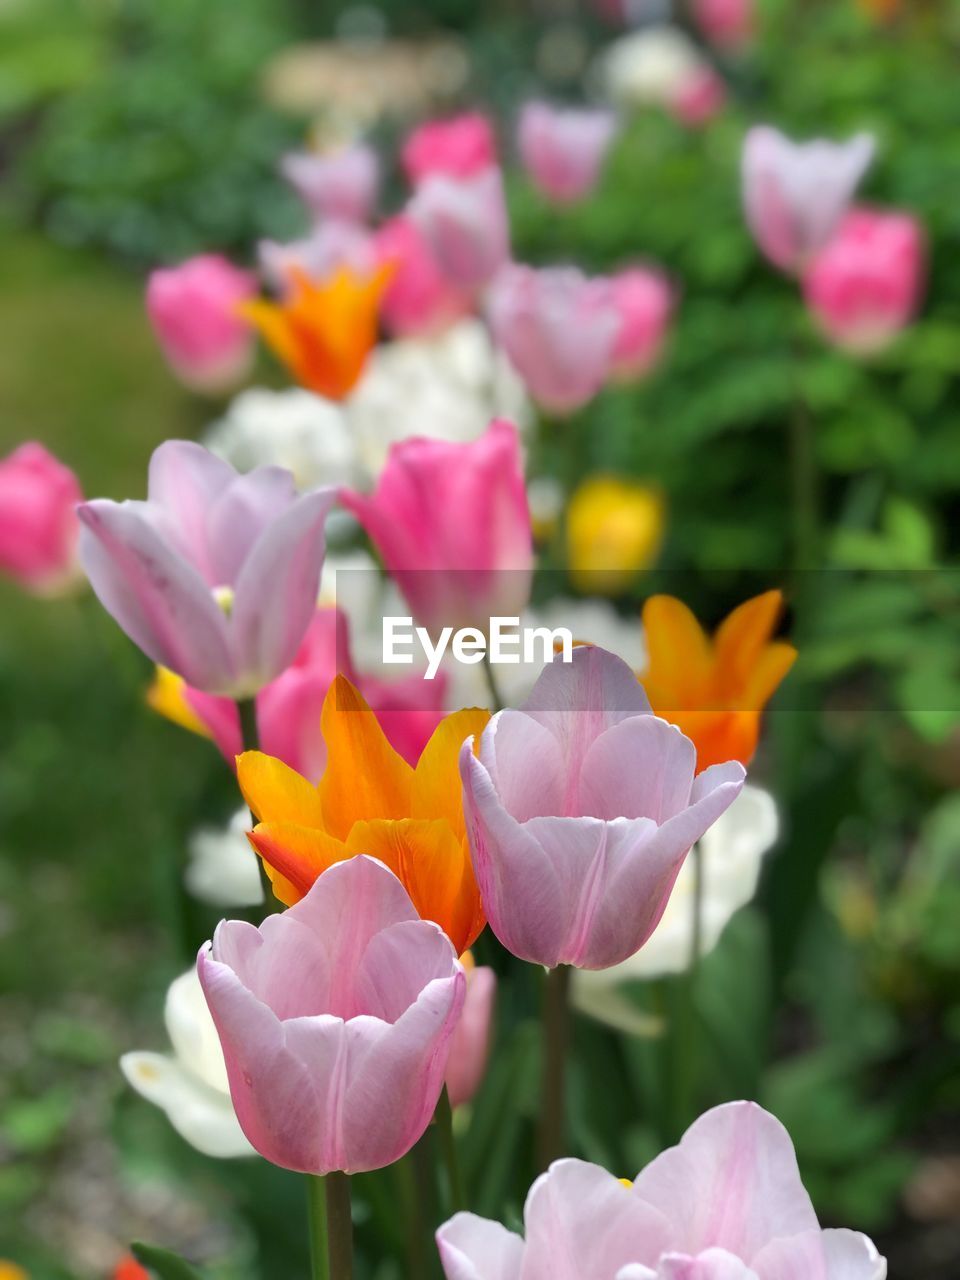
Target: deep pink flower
point(38, 520)
point(194, 311)
point(727, 1203)
point(578, 803)
point(644, 300)
point(216, 575)
point(419, 299)
point(559, 328)
point(865, 286)
point(460, 147)
point(729, 24)
point(796, 194)
point(470, 1045)
point(563, 150)
point(335, 1019)
point(452, 524)
point(339, 184)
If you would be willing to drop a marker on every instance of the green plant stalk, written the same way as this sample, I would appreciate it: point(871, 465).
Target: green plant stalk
point(317, 1222)
point(554, 1044)
point(448, 1146)
point(250, 738)
point(804, 482)
point(339, 1226)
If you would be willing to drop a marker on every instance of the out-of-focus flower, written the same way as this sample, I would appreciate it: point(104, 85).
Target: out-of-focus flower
point(447, 388)
point(341, 183)
point(335, 1019)
point(191, 1085)
point(796, 194)
point(864, 287)
point(563, 150)
point(370, 800)
point(195, 310)
point(460, 147)
point(731, 853)
point(464, 222)
point(470, 1043)
point(333, 246)
point(715, 688)
point(700, 97)
point(727, 1203)
point(729, 24)
point(644, 300)
point(579, 803)
point(223, 868)
point(650, 66)
point(614, 530)
point(11, 1271)
point(324, 332)
point(452, 525)
point(288, 709)
point(38, 520)
point(216, 575)
point(128, 1268)
point(559, 328)
point(419, 300)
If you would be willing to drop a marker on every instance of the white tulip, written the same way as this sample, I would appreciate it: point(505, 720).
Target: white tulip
point(223, 868)
point(650, 66)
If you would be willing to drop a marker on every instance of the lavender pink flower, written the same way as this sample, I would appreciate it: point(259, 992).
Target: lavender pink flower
point(464, 223)
point(563, 150)
point(340, 184)
point(419, 299)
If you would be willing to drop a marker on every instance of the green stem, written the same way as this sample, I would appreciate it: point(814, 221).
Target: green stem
point(250, 738)
point(495, 694)
point(803, 479)
point(448, 1146)
point(339, 1226)
point(553, 1046)
point(317, 1218)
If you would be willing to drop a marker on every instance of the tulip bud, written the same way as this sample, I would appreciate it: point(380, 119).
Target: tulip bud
point(419, 300)
point(464, 222)
point(563, 151)
point(460, 147)
point(38, 521)
point(340, 184)
point(614, 529)
point(644, 299)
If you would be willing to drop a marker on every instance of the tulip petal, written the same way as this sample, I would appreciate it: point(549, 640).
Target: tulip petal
point(191, 1031)
point(202, 1116)
point(641, 768)
point(295, 856)
point(713, 792)
point(852, 1256)
point(511, 741)
point(436, 779)
point(712, 1264)
point(473, 1248)
point(186, 480)
point(240, 514)
point(276, 793)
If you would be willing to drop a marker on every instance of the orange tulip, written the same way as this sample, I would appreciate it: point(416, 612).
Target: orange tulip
point(129, 1268)
point(370, 800)
point(715, 688)
point(323, 332)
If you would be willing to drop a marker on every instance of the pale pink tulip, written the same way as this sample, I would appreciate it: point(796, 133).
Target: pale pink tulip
point(335, 1019)
point(452, 525)
point(563, 150)
point(644, 300)
point(420, 300)
point(727, 1203)
point(38, 520)
point(288, 709)
point(470, 1045)
point(581, 807)
point(464, 222)
point(339, 184)
point(331, 246)
point(796, 194)
point(559, 329)
point(729, 24)
point(460, 147)
point(865, 286)
point(216, 575)
point(194, 309)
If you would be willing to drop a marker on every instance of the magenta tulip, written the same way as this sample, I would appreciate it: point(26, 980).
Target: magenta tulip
point(581, 807)
point(727, 1203)
point(796, 194)
point(470, 1044)
point(729, 24)
point(460, 147)
point(216, 575)
point(559, 329)
point(419, 300)
point(339, 184)
point(464, 222)
point(335, 1019)
point(38, 520)
point(644, 301)
point(865, 286)
point(195, 313)
point(563, 151)
point(452, 524)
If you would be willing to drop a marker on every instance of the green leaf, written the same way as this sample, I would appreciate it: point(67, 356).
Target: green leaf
point(166, 1264)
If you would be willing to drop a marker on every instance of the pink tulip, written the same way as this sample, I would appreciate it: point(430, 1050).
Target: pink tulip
point(864, 287)
point(452, 524)
point(644, 300)
point(727, 1203)
point(700, 97)
point(464, 223)
point(194, 310)
point(337, 184)
point(581, 802)
point(460, 147)
point(335, 1019)
point(470, 1045)
point(288, 709)
point(563, 151)
point(38, 520)
point(332, 245)
point(796, 194)
point(216, 575)
point(419, 299)
point(559, 330)
point(729, 24)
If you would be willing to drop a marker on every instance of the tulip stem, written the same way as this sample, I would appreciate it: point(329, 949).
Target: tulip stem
point(448, 1145)
point(803, 475)
point(495, 694)
point(317, 1217)
point(553, 1046)
point(339, 1226)
point(250, 738)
